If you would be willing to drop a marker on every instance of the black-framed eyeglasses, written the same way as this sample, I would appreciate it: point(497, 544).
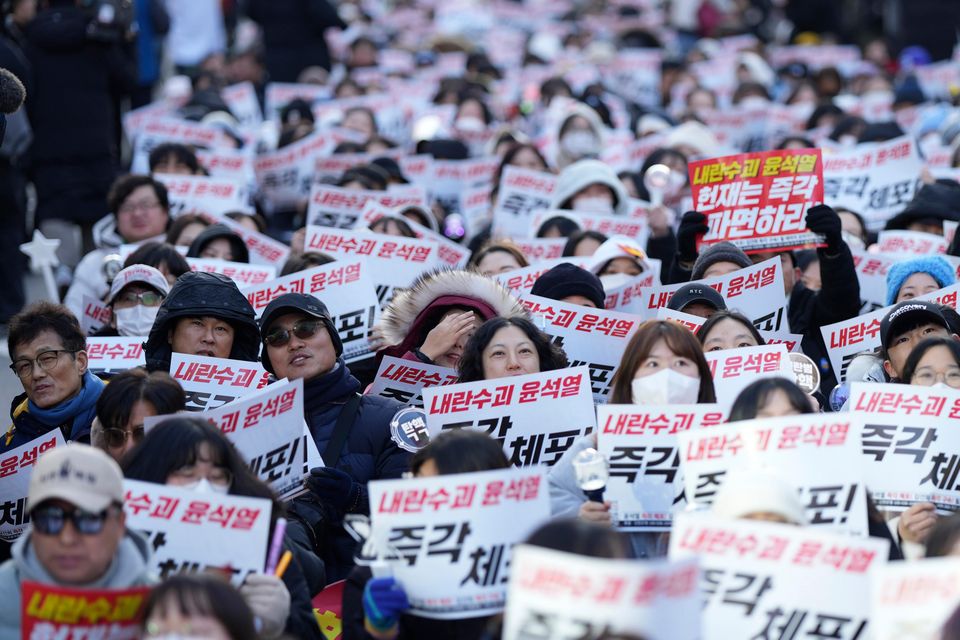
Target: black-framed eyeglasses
point(116, 438)
point(51, 519)
point(303, 329)
point(46, 360)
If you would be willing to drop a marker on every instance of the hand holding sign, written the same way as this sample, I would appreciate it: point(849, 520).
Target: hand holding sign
point(693, 226)
point(824, 221)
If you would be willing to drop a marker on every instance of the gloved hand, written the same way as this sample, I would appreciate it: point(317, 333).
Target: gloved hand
point(335, 488)
point(825, 221)
point(268, 598)
point(383, 602)
point(692, 225)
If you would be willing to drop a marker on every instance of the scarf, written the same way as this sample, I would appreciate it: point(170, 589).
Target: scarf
point(331, 386)
point(81, 408)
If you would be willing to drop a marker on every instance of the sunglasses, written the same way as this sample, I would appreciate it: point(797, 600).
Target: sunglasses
point(116, 438)
point(50, 520)
point(303, 329)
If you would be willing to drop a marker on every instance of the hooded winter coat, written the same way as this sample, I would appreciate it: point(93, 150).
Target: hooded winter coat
point(413, 313)
point(128, 569)
point(237, 246)
point(198, 294)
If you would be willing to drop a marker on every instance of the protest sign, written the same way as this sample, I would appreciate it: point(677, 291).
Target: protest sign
point(203, 195)
point(766, 580)
point(635, 75)
point(512, 410)
point(154, 131)
point(910, 242)
point(565, 596)
point(912, 600)
point(520, 281)
point(759, 201)
point(539, 249)
point(341, 208)
point(264, 250)
point(790, 340)
point(95, 314)
point(608, 225)
point(872, 273)
point(107, 356)
point(16, 466)
point(285, 175)
point(449, 252)
point(192, 532)
point(394, 261)
point(243, 103)
point(521, 192)
point(734, 369)
point(909, 444)
point(51, 611)
point(640, 445)
point(452, 178)
point(278, 95)
point(404, 380)
point(817, 454)
point(445, 539)
point(595, 338)
point(210, 383)
point(844, 340)
point(347, 291)
point(756, 291)
point(875, 179)
point(240, 272)
point(233, 165)
point(623, 297)
point(268, 430)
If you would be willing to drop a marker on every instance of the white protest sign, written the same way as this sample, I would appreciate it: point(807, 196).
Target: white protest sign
point(285, 175)
point(635, 75)
point(192, 532)
point(279, 94)
point(762, 580)
point(640, 445)
point(268, 430)
point(909, 444)
point(242, 273)
point(844, 340)
point(234, 165)
point(560, 595)
point(342, 208)
point(814, 56)
point(595, 338)
point(16, 467)
point(872, 274)
point(539, 249)
point(445, 538)
point(819, 455)
point(911, 242)
point(394, 261)
point(875, 179)
point(912, 600)
point(755, 291)
point(735, 369)
point(95, 314)
point(520, 281)
point(112, 355)
point(513, 411)
point(154, 131)
point(608, 225)
point(449, 252)
point(243, 103)
point(790, 340)
point(210, 383)
point(451, 179)
point(521, 193)
point(264, 250)
point(203, 195)
point(344, 287)
point(404, 380)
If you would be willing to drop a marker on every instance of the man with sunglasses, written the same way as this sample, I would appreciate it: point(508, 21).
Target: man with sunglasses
point(134, 300)
point(352, 431)
point(77, 535)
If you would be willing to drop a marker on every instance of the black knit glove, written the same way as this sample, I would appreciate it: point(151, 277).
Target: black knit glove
point(824, 220)
point(692, 225)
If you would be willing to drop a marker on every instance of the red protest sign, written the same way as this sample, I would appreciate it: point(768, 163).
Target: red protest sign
point(49, 611)
point(759, 201)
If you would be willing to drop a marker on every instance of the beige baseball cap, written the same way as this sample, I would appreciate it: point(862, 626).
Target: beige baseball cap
point(142, 273)
point(79, 474)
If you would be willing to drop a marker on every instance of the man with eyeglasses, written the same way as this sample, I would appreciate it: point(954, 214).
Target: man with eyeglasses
point(48, 353)
point(141, 212)
point(352, 431)
point(134, 300)
point(77, 535)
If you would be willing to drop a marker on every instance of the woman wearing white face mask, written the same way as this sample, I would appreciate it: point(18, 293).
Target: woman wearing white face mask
point(590, 186)
point(134, 300)
point(662, 364)
point(193, 454)
point(617, 261)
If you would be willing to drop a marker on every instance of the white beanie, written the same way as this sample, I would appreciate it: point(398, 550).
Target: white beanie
point(758, 68)
point(693, 134)
point(618, 247)
point(758, 491)
point(583, 173)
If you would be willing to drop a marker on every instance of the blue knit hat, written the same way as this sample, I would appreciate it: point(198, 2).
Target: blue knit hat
point(935, 266)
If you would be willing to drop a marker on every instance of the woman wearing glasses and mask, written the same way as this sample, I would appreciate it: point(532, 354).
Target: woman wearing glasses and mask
point(132, 396)
point(49, 358)
point(134, 300)
point(301, 341)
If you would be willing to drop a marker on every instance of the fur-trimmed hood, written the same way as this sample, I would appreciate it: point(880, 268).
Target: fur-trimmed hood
point(414, 311)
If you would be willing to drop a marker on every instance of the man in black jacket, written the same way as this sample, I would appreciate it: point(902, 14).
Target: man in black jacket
point(807, 310)
point(293, 34)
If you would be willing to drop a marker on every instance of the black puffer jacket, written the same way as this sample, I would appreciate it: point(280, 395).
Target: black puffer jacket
point(203, 294)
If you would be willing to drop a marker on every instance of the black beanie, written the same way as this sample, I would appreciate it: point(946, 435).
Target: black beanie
point(569, 280)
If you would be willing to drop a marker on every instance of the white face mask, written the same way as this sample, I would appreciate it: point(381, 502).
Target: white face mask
point(593, 204)
point(580, 144)
point(469, 124)
point(204, 486)
point(939, 385)
point(665, 387)
point(136, 321)
point(853, 241)
point(612, 281)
